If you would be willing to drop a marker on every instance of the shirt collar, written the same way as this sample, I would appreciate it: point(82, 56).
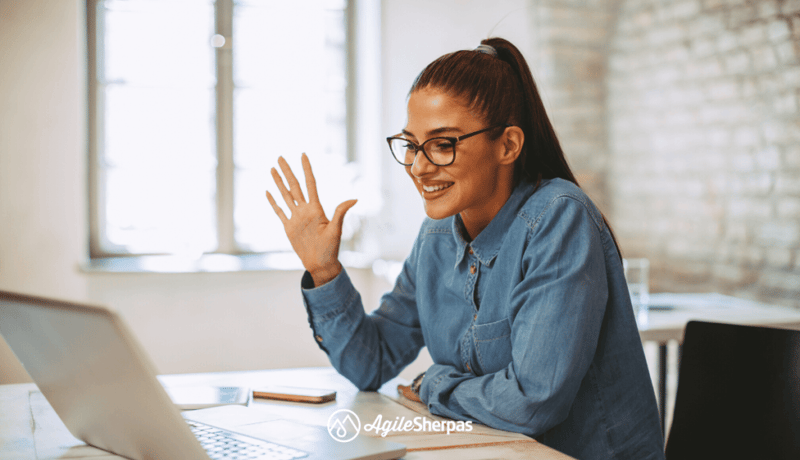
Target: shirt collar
point(487, 244)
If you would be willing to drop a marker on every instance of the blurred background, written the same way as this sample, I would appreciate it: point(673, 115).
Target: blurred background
point(680, 118)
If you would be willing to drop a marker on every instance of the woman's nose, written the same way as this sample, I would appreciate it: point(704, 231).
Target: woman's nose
point(422, 165)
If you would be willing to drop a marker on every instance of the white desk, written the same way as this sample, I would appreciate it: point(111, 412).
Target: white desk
point(30, 429)
point(669, 314)
point(663, 325)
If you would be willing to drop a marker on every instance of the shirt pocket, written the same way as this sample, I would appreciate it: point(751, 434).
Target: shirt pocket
point(493, 345)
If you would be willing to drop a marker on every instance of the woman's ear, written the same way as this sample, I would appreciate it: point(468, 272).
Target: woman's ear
point(513, 140)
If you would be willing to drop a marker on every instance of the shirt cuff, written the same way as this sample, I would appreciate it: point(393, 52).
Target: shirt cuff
point(429, 383)
point(326, 299)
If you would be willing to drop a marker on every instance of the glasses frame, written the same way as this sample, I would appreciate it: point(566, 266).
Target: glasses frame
point(452, 140)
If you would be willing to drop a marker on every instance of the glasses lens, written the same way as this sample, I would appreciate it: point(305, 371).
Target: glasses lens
point(440, 150)
point(403, 150)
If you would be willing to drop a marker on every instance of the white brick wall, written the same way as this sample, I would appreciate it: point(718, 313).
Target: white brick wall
point(702, 173)
point(570, 70)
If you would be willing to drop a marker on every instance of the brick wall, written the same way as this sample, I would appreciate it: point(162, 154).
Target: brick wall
point(570, 70)
point(703, 141)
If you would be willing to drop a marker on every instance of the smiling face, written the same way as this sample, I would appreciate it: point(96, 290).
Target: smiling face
point(479, 181)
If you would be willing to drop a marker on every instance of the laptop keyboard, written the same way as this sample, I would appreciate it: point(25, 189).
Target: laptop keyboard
point(222, 444)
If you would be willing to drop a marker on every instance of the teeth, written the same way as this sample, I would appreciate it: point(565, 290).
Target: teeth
point(435, 188)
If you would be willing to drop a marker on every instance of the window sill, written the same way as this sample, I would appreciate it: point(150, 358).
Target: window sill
point(213, 263)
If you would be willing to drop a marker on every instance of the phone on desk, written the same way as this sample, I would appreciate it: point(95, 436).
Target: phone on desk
point(295, 394)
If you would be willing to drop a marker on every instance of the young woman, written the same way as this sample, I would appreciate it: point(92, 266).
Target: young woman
point(514, 282)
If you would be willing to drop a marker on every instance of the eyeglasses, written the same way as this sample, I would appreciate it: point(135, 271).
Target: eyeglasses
point(440, 151)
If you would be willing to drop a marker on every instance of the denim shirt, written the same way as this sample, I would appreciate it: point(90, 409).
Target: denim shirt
point(530, 327)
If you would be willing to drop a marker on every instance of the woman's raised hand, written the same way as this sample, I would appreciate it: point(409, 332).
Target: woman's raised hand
point(314, 238)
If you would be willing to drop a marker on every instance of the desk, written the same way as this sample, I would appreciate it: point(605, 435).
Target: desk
point(30, 429)
point(669, 314)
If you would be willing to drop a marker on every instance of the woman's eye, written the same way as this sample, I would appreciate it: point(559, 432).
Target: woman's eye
point(443, 145)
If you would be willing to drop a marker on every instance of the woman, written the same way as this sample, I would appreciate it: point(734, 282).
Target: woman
point(514, 283)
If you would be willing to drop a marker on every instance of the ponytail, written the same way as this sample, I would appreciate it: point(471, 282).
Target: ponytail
point(542, 156)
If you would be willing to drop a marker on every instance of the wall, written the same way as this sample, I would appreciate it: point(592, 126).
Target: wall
point(703, 130)
point(42, 154)
point(571, 38)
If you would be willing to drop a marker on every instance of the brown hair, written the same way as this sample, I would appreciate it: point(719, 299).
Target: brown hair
point(502, 89)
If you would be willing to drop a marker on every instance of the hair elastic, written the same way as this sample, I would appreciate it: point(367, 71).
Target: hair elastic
point(486, 49)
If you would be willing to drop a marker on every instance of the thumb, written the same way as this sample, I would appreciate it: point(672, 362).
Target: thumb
point(338, 215)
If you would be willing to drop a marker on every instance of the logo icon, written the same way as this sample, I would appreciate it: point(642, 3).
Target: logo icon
point(344, 425)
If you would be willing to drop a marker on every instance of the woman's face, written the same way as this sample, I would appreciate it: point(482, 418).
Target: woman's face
point(478, 182)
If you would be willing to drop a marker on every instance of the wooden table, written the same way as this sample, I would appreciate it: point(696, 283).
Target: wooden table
point(668, 315)
point(30, 429)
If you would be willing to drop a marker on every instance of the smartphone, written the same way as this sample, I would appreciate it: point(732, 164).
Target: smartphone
point(295, 394)
point(200, 397)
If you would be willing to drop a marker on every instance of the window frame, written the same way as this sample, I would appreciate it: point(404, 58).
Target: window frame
point(356, 12)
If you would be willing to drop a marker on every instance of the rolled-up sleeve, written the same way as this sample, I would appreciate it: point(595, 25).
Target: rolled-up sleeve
point(367, 349)
point(558, 306)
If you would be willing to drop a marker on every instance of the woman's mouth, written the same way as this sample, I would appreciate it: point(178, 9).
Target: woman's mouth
point(436, 188)
point(430, 192)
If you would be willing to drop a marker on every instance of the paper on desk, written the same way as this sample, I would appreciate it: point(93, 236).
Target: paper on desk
point(424, 442)
point(477, 429)
point(508, 451)
point(481, 437)
point(51, 436)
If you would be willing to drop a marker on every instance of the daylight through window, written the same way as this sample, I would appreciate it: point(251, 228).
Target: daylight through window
point(193, 101)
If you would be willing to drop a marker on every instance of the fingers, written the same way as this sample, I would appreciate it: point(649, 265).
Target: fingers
point(276, 208)
point(294, 186)
point(287, 197)
point(311, 182)
point(338, 215)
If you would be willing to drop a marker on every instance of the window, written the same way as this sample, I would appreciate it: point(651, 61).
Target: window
point(191, 102)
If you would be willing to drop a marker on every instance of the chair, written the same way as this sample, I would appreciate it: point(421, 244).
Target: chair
point(738, 394)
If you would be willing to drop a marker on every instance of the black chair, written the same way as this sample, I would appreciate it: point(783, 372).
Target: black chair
point(738, 394)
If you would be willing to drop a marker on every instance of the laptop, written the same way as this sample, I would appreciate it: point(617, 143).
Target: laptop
point(98, 379)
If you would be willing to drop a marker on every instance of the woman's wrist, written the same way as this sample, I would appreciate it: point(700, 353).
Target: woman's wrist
point(412, 391)
point(325, 275)
point(417, 384)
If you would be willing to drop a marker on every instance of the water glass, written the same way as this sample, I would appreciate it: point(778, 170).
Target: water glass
point(637, 273)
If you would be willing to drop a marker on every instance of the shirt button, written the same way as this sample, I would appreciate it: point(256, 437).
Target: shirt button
point(318, 337)
point(475, 317)
point(468, 368)
point(470, 251)
point(472, 269)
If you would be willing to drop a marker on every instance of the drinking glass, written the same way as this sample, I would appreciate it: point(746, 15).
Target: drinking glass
point(637, 273)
